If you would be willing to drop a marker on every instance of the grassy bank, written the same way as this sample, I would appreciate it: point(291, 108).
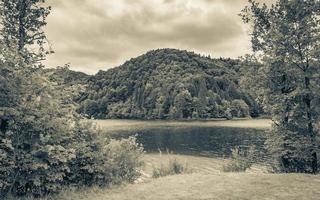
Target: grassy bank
point(213, 186)
point(207, 181)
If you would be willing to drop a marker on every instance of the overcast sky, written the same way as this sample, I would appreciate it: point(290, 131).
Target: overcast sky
point(101, 34)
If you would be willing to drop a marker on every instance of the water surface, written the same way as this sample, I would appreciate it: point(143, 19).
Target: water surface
point(205, 138)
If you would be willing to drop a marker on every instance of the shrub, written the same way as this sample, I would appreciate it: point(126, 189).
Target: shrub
point(101, 161)
point(241, 160)
point(36, 151)
point(84, 159)
point(124, 159)
point(172, 167)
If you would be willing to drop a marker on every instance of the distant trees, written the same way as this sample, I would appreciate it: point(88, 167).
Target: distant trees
point(252, 79)
point(182, 103)
point(169, 84)
point(288, 36)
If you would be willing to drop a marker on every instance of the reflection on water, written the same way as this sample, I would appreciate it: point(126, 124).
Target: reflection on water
point(196, 140)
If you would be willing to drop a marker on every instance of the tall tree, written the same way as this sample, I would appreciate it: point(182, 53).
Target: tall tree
point(34, 125)
point(22, 22)
point(288, 36)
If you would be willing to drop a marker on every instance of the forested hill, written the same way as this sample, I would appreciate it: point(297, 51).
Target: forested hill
point(65, 76)
point(168, 84)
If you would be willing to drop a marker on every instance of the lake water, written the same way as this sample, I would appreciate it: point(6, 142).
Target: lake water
point(205, 138)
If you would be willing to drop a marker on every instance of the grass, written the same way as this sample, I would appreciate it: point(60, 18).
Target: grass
point(206, 182)
point(198, 186)
point(194, 163)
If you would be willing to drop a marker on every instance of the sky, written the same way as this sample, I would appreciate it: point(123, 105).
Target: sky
point(93, 35)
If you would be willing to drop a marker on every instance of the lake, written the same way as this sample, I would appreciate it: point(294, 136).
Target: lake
point(212, 138)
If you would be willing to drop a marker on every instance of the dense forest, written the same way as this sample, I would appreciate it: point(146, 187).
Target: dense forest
point(169, 84)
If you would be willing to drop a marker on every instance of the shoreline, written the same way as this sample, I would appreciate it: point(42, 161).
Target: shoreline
point(122, 124)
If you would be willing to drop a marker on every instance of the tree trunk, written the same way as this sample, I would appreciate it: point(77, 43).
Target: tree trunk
point(22, 6)
point(307, 101)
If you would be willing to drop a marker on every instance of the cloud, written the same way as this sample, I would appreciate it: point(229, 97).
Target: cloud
point(100, 34)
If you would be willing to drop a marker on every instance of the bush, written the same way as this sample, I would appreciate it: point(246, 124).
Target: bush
point(171, 168)
point(241, 160)
point(86, 159)
point(35, 150)
point(100, 161)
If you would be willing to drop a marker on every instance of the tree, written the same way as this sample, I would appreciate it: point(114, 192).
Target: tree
point(182, 102)
point(22, 22)
point(288, 36)
point(35, 130)
point(239, 108)
point(202, 91)
point(36, 126)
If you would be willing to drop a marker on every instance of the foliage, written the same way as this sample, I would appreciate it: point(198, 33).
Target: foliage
point(252, 79)
point(22, 22)
point(65, 76)
point(35, 139)
point(173, 167)
point(168, 84)
point(287, 34)
point(100, 161)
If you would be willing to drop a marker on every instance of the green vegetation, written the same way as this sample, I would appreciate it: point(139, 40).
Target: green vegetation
point(169, 84)
point(65, 76)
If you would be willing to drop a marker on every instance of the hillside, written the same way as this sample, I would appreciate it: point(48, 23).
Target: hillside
point(72, 83)
point(168, 84)
point(65, 76)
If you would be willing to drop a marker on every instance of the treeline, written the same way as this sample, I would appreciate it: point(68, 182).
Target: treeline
point(170, 84)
